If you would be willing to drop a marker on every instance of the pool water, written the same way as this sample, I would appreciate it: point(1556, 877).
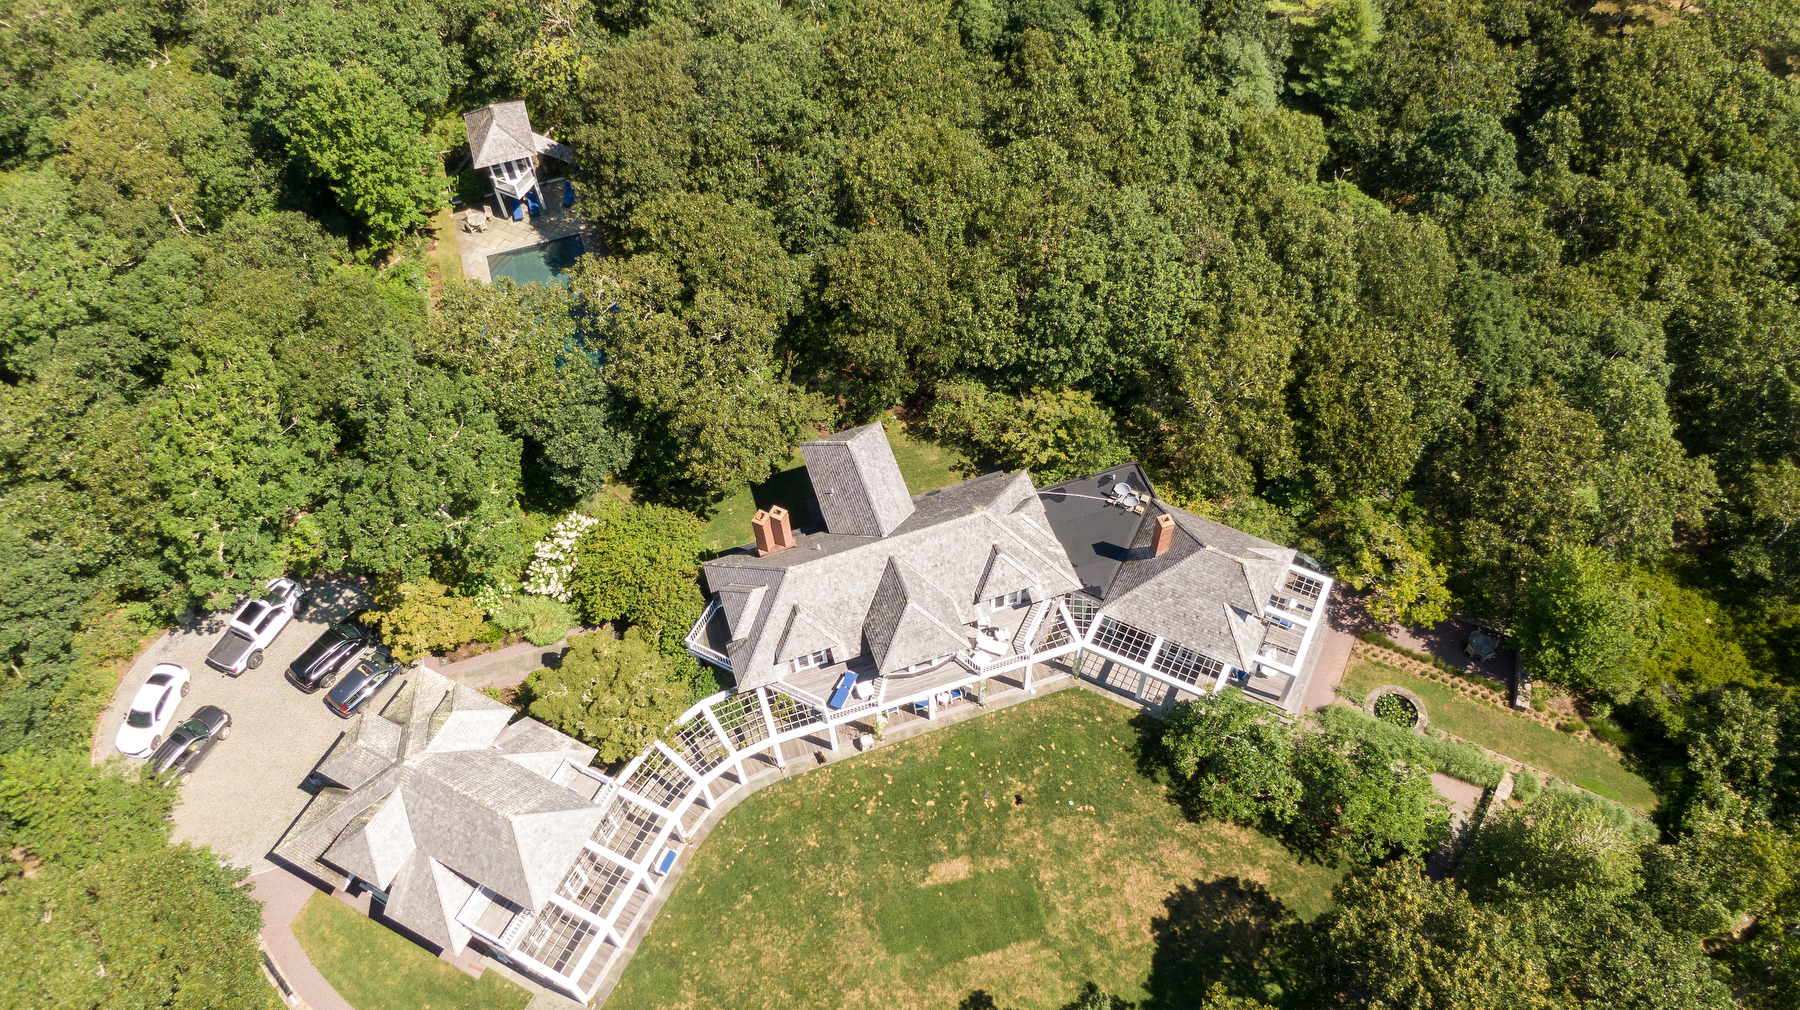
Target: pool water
point(547, 263)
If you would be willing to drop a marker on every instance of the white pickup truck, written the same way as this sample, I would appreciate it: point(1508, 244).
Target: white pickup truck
point(254, 626)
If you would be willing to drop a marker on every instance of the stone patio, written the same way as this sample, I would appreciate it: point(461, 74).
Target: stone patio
point(504, 234)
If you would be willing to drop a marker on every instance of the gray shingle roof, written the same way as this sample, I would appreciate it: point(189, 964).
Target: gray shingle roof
point(499, 133)
point(946, 539)
point(1206, 591)
point(910, 620)
point(857, 481)
point(460, 791)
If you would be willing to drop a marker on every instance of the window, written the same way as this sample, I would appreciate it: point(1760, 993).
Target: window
point(267, 620)
point(137, 720)
point(1012, 599)
point(1185, 664)
point(163, 705)
point(821, 658)
point(1122, 639)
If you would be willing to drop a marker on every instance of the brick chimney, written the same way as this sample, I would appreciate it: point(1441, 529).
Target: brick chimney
point(1164, 535)
point(773, 530)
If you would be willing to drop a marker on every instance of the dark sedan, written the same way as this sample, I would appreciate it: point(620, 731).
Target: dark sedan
point(189, 743)
point(318, 666)
point(360, 684)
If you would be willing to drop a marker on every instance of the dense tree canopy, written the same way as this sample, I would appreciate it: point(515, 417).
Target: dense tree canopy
point(1490, 307)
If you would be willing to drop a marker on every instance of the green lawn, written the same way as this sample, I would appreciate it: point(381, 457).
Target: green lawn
point(1584, 763)
point(376, 968)
point(910, 877)
point(925, 466)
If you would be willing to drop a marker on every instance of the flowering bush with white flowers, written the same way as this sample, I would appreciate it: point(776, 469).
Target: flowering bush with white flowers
point(554, 559)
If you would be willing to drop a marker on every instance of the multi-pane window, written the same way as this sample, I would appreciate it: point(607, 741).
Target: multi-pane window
point(1122, 639)
point(558, 938)
point(1012, 599)
point(1186, 665)
point(1082, 609)
point(807, 662)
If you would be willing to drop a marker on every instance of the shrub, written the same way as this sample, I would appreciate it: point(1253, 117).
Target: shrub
point(542, 620)
point(1450, 757)
point(1526, 785)
point(554, 559)
point(1607, 730)
point(416, 618)
point(616, 694)
point(639, 564)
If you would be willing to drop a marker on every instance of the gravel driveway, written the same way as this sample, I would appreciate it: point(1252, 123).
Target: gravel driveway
point(249, 789)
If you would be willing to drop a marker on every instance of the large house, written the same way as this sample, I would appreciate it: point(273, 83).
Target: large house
point(476, 829)
point(906, 599)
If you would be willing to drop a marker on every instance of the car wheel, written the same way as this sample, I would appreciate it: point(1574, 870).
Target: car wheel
point(255, 660)
point(182, 780)
point(155, 742)
point(224, 731)
point(326, 681)
point(184, 689)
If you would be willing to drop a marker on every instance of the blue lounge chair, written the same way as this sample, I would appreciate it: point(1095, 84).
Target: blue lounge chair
point(531, 201)
point(922, 707)
point(568, 194)
point(842, 694)
point(518, 210)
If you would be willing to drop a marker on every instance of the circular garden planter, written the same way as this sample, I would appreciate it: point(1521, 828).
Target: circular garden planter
point(1403, 700)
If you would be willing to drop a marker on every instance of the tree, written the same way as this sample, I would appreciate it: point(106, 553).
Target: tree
point(1235, 757)
point(160, 926)
point(1556, 847)
point(1055, 435)
point(1462, 155)
point(353, 133)
point(1396, 939)
point(615, 693)
point(1579, 621)
point(417, 618)
point(1334, 40)
point(1741, 762)
point(426, 472)
point(1365, 798)
point(1390, 559)
point(638, 564)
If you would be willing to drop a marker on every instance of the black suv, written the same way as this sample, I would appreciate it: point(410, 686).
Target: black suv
point(189, 743)
point(318, 666)
point(360, 684)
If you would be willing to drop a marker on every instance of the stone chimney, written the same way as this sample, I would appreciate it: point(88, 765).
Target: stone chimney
point(773, 530)
point(1164, 535)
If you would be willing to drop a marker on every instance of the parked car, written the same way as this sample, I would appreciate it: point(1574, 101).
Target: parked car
point(318, 666)
point(151, 710)
point(189, 743)
point(254, 626)
point(360, 684)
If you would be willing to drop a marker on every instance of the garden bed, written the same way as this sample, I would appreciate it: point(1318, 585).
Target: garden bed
point(1478, 720)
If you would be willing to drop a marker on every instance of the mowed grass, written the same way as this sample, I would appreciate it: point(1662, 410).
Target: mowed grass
point(375, 968)
point(1020, 853)
point(925, 465)
point(1584, 763)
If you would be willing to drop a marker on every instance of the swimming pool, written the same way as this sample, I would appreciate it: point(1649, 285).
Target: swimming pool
point(546, 263)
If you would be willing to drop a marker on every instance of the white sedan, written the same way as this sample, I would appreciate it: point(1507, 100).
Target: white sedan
point(152, 709)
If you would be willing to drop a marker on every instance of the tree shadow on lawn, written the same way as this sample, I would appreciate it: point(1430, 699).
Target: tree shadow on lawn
point(1215, 931)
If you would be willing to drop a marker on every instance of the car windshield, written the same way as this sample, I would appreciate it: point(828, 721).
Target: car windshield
point(138, 720)
point(193, 727)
